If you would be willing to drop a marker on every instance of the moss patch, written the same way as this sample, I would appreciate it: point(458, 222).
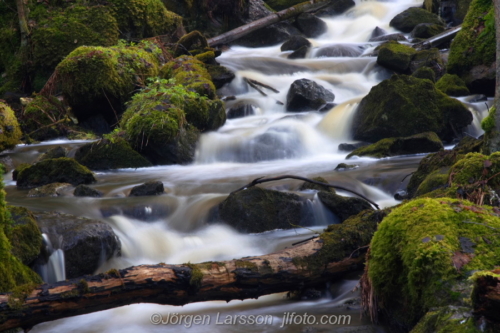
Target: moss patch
point(45, 118)
point(424, 248)
point(395, 56)
point(452, 85)
point(24, 235)
point(10, 132)
point(447, 319)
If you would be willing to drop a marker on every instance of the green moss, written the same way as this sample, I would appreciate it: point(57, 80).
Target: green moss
point(83, 286)
point(98, 80)
point(488, 123)
point(433, 181)
point(19, 295)
point(24, 235)
point(112, 152)
point(56, 170)
point(247, 265)
point(395, 56)
point(474, 167)
point(452, 85)
point(425, 73)
point(475, 43)
point(10, 133)
point(379, 149)
point(447, 319)
point(196, 275)
point(18, 169)
point(419, 255)
point(44, 118)
point(113, 272)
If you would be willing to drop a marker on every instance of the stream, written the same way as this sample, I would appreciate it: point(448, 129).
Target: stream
point(304, 144)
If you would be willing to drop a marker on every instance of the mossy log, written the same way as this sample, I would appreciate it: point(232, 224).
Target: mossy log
point(338, 250)
point(283, 15)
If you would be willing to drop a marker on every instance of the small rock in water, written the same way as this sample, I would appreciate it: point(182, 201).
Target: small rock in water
point(348, 147)
point(294, 43)
point(85, 191)
point(54, 153)
point(50, 190)
point(307, 95)
point(148, 188)
point(343, 166)
point(401, 195)
point(240, 111)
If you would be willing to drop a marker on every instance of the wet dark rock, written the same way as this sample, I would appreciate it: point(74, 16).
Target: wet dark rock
point(306, 95)
point(85, 242)
point(55, 152)
point(310, 25)
point(427, 30)
point(481, 79)
point(336, 8)
point(299, 54)
point(348, 147)
point(343, 207)
point(430, 58)
point(50, 190)
point(395, 56)
point(271, 35)
point(153, 187)
point(220, 75)
point(343, 166)
point(240, 111)
point(339, 50)
point(478, 98)
point(86, 191)
point(294, 43)
point(410, 18)
point(56, 170)
point(395, 37)
point(377, 32)
point(257, 210)
point(401, 195)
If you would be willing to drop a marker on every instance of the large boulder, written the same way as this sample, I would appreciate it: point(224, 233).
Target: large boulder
point(257, 210)
point(419, 143)
point(307, 95)
point(403, 106)
point(427, 30)
point(85, 242)
point(395, 56)
point(339, 50)
point(10, 131)
point(56, 170)
point(310, 25)
point(343, 207)
point(472, 52)
point(110, 153)
point(452, 85)
point(410, 18)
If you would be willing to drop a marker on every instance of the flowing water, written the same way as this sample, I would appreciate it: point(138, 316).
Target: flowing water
point(172, 228)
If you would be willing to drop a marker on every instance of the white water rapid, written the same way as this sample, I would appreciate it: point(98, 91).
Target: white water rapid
point(269, 143)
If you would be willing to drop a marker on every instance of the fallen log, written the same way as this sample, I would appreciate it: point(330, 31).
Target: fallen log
point(439, 39)
point(340, 249)
point(283, 15)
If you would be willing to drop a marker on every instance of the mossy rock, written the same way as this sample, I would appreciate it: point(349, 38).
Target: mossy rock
point(257, 210)
point(57, 170)
point(428, 58)
point(452, 85)
point(24, 235)
point(343, 207)
point(110, 153)
point(427, 30)
point(191, 41)
point(472, 52)
point(427, 142)
point(54, 153)
point(435, 180)
point(316, 187)
point(423, 253)
point(86, 191)
point(395, 56)
point(10, 133)
point(447, 319)
point(425, 73)
point(64, 30)
point(410, 18)
point(476, 170)
point(98, 80)
point(220, 75)
point(403, 106)
point(139, 19)
point(40, 117)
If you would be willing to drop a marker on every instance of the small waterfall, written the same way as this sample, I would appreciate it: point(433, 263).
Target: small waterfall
point(52, 268)
point(322, 215)
point(337, 123)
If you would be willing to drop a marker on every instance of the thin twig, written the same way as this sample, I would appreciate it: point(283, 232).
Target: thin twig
point(359, 248)
point(261, 180)
point(305, 240)
point(255, 87)
point(263, 85)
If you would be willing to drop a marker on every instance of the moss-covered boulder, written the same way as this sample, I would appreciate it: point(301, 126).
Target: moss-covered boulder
point(57, 170)
point(395, 56)
point(424, 251)
point(425, 73)
point(44, 119)
point(472, 52)
point(113, 152)
point(220, 75)
point(97, 81)
point(10, 133)
point(427, 142)
point(55, 152)
point(410, 18)
point(403, 106)
point(258, 210)
point(430, 58)
point(452, 85)
point(191, 43)
point(447, 319)
point(24, 235)
point(427, 30)
point(343, 207)
point(86, 243)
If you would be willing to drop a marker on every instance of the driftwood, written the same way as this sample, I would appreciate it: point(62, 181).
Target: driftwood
point(265, 180)
point(248, 277)
point(283, 15)
point(439, 39)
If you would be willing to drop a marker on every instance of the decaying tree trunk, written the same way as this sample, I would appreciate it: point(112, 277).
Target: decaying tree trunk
point(23, 21)
point(486, 300)
point(439, 39)
point(339, 250)
point(285, 14)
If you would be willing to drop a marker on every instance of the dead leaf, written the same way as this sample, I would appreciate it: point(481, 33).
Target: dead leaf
point(460, 259)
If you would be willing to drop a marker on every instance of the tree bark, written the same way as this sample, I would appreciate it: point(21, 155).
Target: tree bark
point(338, 250)
point(23, 21)
point(285, 14)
